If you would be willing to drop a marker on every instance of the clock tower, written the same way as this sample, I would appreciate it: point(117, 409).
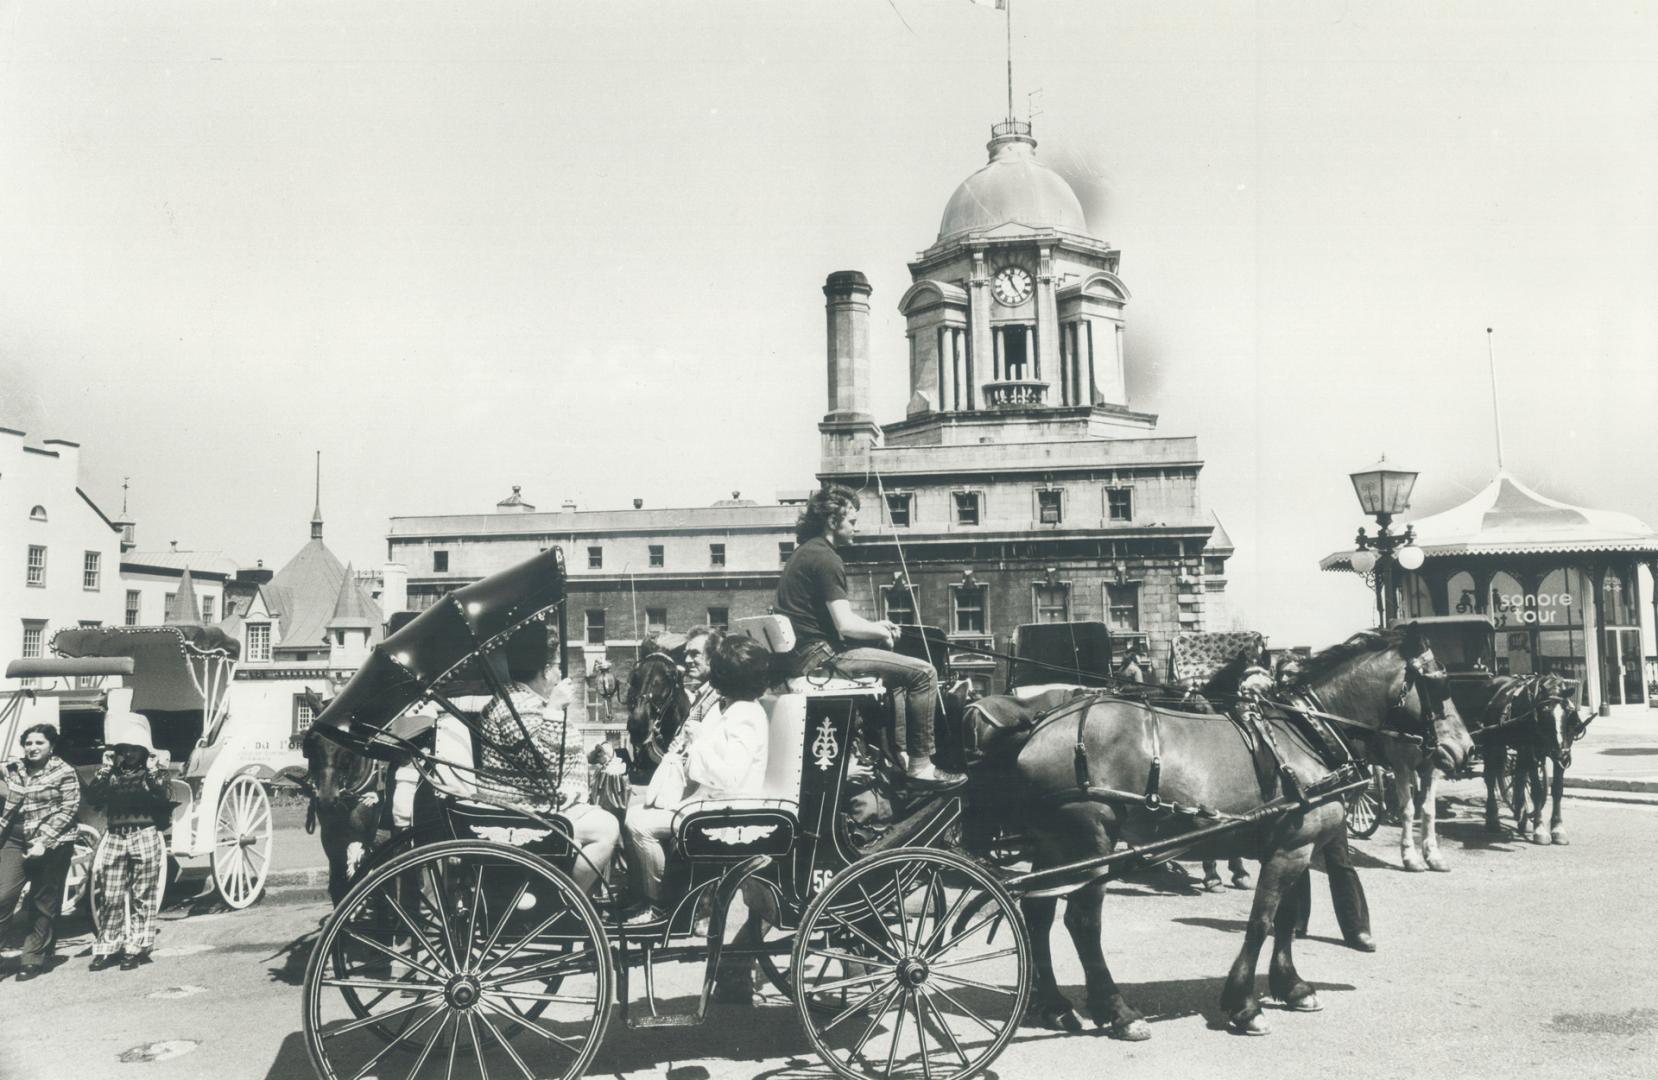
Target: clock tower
point(1016, 305)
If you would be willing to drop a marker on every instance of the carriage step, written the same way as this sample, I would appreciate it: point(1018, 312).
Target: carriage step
point(689, 1019)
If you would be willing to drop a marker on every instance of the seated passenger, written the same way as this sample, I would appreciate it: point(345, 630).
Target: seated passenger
point(511, 771)
point(724, 758)
point(830, 637)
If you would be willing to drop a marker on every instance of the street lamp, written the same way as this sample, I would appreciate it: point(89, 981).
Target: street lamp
point(1383, 491)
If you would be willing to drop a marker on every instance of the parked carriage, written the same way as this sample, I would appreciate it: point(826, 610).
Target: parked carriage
point(178, 676)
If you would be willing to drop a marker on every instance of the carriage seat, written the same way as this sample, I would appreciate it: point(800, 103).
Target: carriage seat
point(776, 633)
point(701, 826)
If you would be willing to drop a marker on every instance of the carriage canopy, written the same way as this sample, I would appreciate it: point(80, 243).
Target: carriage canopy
point(180, 667)
point(506, 610)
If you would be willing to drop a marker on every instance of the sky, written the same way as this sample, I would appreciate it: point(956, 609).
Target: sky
point(579, 247)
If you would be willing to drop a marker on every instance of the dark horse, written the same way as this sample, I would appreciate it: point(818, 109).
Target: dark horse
point(1537, 717)
point(345, 790)
point(1078, 765)
point(657, 705)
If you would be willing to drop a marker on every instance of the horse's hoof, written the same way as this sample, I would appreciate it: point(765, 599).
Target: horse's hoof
point(1307, 1002)
point(1212, 885)
point(1540, 838)
point(1414, 865)
point(1136, 1030)
point(1438, 865)
point(1493, 825)
point(1362, 941)
point(1251, 1025)
point(1063, 1018)
point(1560, 838)
point(1243, 881)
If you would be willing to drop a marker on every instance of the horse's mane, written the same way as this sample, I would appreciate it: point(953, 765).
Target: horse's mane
point(1362, 643)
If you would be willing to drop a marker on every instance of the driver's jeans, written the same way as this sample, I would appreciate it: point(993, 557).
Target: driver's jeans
point(44, 876)
point(896, 672)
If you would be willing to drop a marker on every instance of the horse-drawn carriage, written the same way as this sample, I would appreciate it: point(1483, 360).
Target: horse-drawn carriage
point(177, 676)
point(468, 945)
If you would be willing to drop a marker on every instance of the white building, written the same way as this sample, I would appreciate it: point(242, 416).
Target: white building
point(151, 582)
point(59, 554)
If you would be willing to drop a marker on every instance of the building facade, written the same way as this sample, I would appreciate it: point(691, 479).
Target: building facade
point(1021, 486)
point(60, 555)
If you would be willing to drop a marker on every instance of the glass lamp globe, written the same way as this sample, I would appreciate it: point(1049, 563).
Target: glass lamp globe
point(1363, 561)
point(1410, 558)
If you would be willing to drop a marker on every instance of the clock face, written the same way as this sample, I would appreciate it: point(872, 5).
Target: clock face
point(1012, 285)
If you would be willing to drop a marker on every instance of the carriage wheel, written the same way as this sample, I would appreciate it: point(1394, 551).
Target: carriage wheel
point(1507, 777)
point(478, 955)
point(93, 894)
point(242, 841)
point(78, 881)
point(1364, 809)
point(927, 953)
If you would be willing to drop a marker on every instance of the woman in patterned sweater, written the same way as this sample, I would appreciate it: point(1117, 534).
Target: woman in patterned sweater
point(37, 832)
point(131, 789)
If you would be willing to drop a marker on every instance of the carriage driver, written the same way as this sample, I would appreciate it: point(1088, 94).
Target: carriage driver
point(540, 701)
point(812, 593)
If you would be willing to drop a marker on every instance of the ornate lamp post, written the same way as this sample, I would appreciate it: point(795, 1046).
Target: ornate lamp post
point(1383, 491)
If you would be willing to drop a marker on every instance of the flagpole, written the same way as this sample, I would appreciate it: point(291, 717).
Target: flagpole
point(1007, 10)
point(1496, 412)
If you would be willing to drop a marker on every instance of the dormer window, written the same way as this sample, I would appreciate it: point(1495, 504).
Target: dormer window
point(37, 514)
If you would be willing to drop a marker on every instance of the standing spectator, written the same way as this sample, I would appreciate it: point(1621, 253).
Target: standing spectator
point(37, 835)
point(131, 789)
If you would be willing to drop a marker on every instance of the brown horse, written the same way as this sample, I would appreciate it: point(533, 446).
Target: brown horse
point(657, 705)
point(1079, 763)
point(345, 790)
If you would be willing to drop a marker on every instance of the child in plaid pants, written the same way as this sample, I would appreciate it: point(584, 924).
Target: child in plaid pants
point(127, 869)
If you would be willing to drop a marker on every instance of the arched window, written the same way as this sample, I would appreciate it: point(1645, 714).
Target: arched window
point(37, 514)
point(1418, 596)
point(1560, 606)
point(1514, 612)
point(1460, 591)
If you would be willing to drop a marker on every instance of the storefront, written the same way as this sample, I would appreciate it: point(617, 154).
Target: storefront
point(1562, 584)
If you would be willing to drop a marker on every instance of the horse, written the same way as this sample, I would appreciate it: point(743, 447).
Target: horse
point(1538, 718)
point(657, 705)
point(1079, 766)
point(344, 790)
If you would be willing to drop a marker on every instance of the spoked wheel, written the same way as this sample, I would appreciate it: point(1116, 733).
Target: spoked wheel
point(77, 883)
point(926, 960)
point(466, 958)
point(1364, 808)
point(242, 841)
point(1508, 778)
point(94, 893)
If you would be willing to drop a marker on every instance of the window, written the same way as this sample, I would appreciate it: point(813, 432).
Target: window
point(1119, 504)
point(440, 562)
point(259, 642)
point(92, 571)
point(969, 608)
point(719, 618)
point(167, 606)
point(595, 558)
point(134, 600)
point(207, 610)
point(303, 715)
point(716, 554)
point(967, 507)
point(1122, 605)
point(785, 548)
point(900, 605)
point(656, 620)
point(1048, 507)
point(36, 577)
point(595, 626)
point(898, 509)
point(1052, 603)
point(34, 632)
point(658, 556)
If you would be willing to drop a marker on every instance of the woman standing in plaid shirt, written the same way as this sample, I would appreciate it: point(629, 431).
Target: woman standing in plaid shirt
point(132, 792)
point(37, 834)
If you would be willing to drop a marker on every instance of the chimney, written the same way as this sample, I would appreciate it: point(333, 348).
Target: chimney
point(394, 588)
point(69, 457)
point(847, 308)
point(569, 505)
point(638, 504)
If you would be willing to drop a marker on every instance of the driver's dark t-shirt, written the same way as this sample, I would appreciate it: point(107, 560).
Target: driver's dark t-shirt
point(814, 577)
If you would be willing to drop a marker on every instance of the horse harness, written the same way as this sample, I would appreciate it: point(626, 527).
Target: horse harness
point(1420, 674)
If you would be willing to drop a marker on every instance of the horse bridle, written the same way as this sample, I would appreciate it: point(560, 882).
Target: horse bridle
point(1421, 672)
point(655, 711)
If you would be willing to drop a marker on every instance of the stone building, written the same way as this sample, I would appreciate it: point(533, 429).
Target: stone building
point(1021, 486)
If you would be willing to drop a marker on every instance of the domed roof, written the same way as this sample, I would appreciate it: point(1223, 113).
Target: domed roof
point(1013, 187)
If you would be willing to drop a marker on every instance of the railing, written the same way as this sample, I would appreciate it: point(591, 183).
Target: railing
point(1013, 393)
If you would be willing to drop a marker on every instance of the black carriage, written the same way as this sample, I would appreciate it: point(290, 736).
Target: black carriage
point(466, 949)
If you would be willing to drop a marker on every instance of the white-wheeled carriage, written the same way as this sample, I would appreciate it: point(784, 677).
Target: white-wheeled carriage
point(178, 677)
point(466, 950)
